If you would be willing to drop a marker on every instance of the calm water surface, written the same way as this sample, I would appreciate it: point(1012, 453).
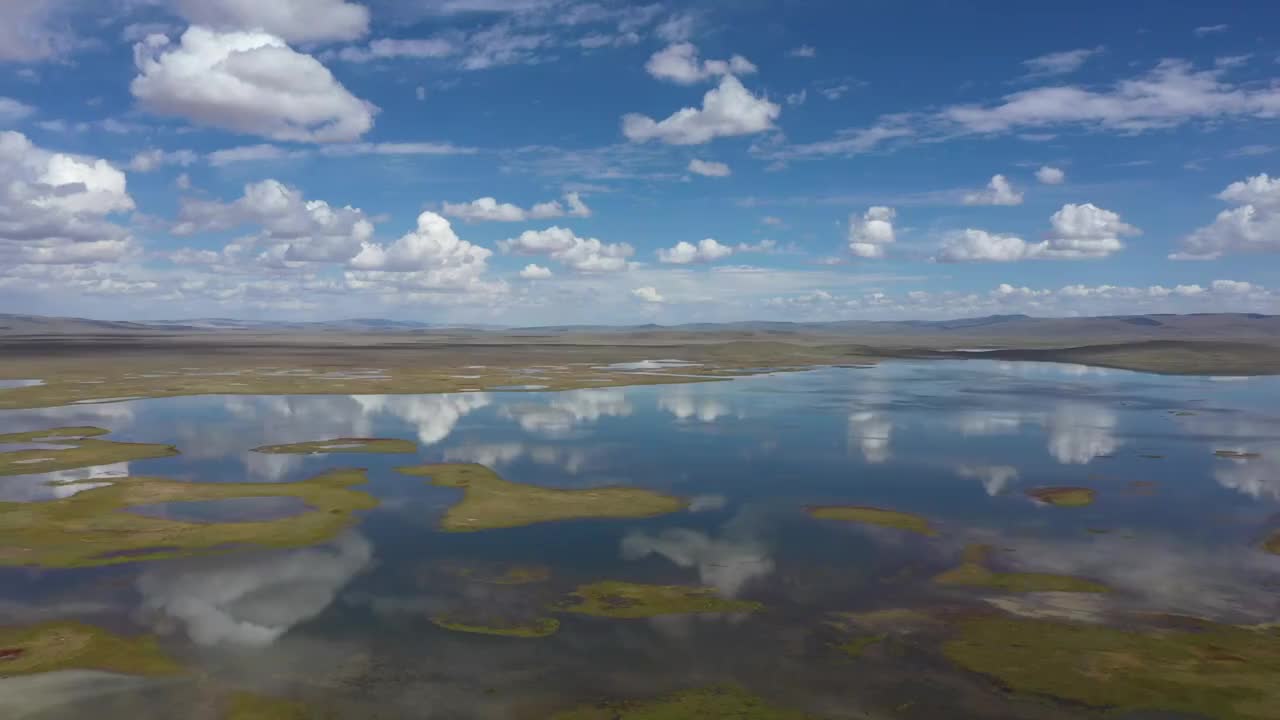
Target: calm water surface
point(346, 625)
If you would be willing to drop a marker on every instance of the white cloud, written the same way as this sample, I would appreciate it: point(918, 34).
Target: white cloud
point(1078, 232)
point(1203, 30)
point(11, 111)
point(1170, 95)
point(871, 233)
point(150, 160)
point(54, 207)
point(297, 21)
point(387, 49)
point(1060, 63)
point(1232, 287)
point(680, 64)
point(727, 110)
point(1048, 175)
point(533, 271)
point(797, 98)
point(247, 82)
point(998, 192)
point(709, 168)
point(971, 245)
point(676, 28)
point(251, 153)
point(707, 250)
point(489, 209)
point(294, 229)
point(1253, 225)
point(726, 564)
point(32, 30)
point(561, 244)
point(648, 294)
point(432, 248)
point(804, 51)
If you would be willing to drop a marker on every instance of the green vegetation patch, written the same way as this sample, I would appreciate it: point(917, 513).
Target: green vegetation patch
point(616, 599)
point(537, 628)
point(250, 706)
point(975, 573)
point(1063, 496)
point(859, 645)
point(341, 445)
point(874, 516)
point(94, 527)
point(730, 702)
point(66, 645)
point(489, 502)
point(1272, 544)
point(1214, 671)
point(75, 448)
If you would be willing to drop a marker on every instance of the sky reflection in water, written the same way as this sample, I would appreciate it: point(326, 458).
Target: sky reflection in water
point(959, 442)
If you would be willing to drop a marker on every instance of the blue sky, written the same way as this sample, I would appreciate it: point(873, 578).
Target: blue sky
point(556, 161)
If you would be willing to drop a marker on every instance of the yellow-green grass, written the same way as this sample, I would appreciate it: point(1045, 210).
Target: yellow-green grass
point(1214, 671)
point(975, 573)
point(874, 516)
point(537, 628)
point(95, 527)
point(489, 502)
point(1272, 544)
point(617, 599)
point(341, 445)
point(75, 448)
point(69, 645)
point(1063, 496)
point(251, 706)
point(720, 703)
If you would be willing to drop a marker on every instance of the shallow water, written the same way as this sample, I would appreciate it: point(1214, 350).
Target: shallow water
point(347, 625)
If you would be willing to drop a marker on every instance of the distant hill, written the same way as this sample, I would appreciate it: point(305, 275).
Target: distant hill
point(962, 332)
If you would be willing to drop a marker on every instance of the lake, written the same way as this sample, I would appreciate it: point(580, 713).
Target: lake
point(1184, 474)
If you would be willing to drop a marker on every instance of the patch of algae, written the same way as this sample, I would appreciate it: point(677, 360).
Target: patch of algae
point(859, 645)
point(617, 599)
point(874, 516)
point(249, 706)
point(489, 502)
point(341, 445)
point(1063, 496)
point(537, 628)
point(1272, 544)
point(94, 527)
point(76, 448)
point(67, 645)
point(729, 702)
point(973, 572)
point(1214, 671)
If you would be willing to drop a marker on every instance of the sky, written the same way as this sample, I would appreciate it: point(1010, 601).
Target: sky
point(526, 162)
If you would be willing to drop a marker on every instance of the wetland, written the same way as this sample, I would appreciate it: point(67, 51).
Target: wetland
point(911, 539)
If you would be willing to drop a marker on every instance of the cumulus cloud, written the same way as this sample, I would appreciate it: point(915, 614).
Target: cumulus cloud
point(1078, 232)
point(32, 30)
point(1253, 225)
point(431, 248)
point(872, 232)
point(1048, 175)
point(247, 82)
point(489, 209)
point(298, 21)
point(1060, 63)
point(586, 255)
point(533, 271)
point(648, 294)
point(55, 207)
point(293, 228)
point(680, 64)
point(998, 192)
point(727, 110)
point(707, 250)
point(709, 168)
